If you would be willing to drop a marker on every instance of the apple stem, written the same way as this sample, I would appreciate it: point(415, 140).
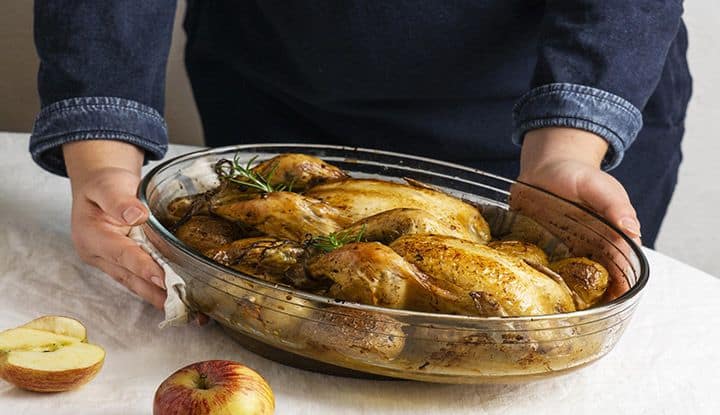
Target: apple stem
point(202, 382)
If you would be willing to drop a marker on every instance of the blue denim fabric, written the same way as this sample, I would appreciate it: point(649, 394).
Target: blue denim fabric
point(583, 107)
point(102, 74)
point(434, 78)
point(430, 77)
point(95, 118)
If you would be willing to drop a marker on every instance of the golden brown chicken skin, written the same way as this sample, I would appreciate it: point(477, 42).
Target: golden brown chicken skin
point(372, 273)
point(284, 215)
point(203, 232)
point(265, 257)
point(300, 170)
point(387, 226)
point(587, 278)
point(485, 281)
point(520, 249)
point(360, 198)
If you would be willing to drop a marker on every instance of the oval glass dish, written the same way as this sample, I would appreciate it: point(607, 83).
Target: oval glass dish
point(302, 328)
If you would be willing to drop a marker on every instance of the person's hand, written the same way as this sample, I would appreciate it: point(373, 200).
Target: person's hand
point(104, 176)
point(566, 161)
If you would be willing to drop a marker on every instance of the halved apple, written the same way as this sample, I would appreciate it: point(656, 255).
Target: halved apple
point(45, 361)
point(59, 325)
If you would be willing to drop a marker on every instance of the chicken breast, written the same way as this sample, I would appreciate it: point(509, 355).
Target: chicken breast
point(360, 198)
point(523, 250)
point(387, 226)
point(485, 281)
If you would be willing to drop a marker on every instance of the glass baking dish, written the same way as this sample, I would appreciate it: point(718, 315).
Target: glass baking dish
point(333, 336)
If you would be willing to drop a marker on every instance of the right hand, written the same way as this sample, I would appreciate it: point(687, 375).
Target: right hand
point(104, 175)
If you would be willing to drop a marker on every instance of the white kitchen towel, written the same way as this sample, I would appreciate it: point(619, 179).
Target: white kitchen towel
point(177, 311)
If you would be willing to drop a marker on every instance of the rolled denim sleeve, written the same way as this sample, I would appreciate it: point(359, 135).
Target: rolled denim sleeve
point(598, 63)
point(101, 76)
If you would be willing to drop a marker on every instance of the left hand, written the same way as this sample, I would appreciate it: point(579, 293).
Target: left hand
point(566, 161)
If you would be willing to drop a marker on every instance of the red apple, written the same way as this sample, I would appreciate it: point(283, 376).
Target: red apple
point(49, 354)
point(214, 387)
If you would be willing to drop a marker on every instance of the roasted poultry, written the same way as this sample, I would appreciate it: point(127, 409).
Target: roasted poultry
point(285, 215)
point(300, 170)
point(299, 221)
point(360, 198)
point(372, 273)
point(484, 281)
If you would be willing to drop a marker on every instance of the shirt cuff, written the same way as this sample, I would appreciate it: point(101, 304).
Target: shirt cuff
point(578, 106)
point(93, 118)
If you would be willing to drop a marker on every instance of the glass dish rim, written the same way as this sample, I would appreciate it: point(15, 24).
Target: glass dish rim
point(154, 223)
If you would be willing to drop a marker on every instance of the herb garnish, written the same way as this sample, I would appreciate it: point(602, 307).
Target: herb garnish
point(235, 172)
point(335, 240)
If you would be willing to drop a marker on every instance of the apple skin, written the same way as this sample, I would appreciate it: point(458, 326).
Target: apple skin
point(39, 381)
point(214, 387)
point(49, 354)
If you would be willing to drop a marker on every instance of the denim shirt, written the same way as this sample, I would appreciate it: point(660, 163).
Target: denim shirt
point(457, 80)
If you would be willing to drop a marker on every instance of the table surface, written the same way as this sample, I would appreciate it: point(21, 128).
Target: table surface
point(666, 363)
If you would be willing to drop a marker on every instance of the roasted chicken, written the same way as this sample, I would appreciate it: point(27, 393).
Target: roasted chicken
point(203, 232)
point(527, 251)
point(484, 281)
point(264, 257)
point(372, 273)
point(588, 279)
point(299, 221)
point(284, 215)
point(360, 198)
point(300, 170)
point(389, 225)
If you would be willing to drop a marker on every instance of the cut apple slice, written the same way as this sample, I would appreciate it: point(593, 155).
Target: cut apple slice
point(44, 361)
point(32, 339)
point(59, 325)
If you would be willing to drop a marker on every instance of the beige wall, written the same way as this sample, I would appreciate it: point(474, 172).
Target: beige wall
point(692, 228)
point(18, 67)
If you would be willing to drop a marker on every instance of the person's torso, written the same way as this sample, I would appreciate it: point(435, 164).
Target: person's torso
point(434, 77)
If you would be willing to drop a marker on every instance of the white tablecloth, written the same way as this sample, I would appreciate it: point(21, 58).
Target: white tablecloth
point(668, 361)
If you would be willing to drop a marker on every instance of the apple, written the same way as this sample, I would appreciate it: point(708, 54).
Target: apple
point(60, 325)
point(214, 387)
point(49, 354)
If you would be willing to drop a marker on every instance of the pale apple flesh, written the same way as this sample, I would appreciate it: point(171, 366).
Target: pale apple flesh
point(45, 361)
point(59, 325)
point(214, 387)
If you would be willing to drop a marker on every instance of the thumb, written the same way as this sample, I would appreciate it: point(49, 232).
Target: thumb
point(605, 195)
point(115, 193)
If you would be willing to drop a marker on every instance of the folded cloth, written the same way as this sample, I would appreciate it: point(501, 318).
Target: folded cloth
point(177, 311)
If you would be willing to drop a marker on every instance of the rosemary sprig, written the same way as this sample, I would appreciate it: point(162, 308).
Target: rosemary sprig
point(234, 171)
point(335, 240)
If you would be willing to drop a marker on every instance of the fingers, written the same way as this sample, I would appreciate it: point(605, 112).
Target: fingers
point(115, 193)
point(578, 230)
point(137, 285)
point(606, 196)
point(98, 240)
point(104, 208)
